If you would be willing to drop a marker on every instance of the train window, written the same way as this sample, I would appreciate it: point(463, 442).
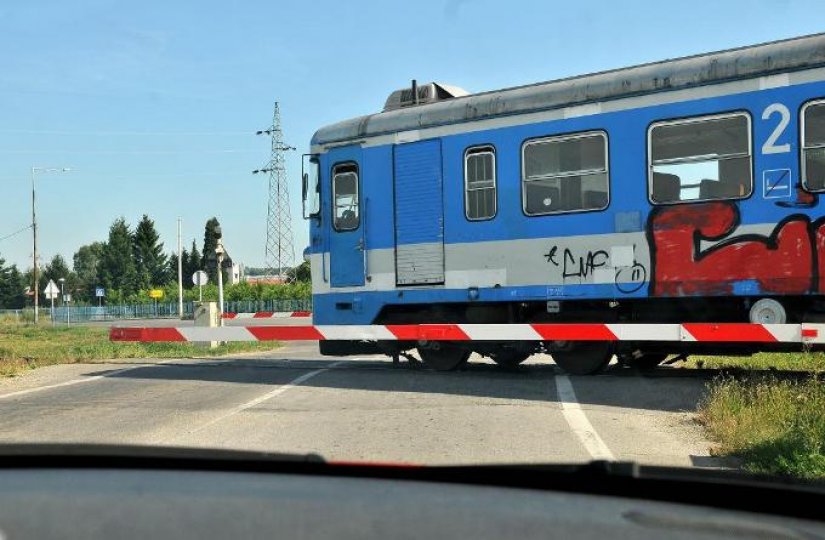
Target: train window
point(345, 197)
point(480, 183)
point(700, 159)
point(813, 146)
point(565, 174)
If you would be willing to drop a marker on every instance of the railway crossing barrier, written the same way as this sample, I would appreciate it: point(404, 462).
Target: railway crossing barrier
point(685, 332)
point(268, 315)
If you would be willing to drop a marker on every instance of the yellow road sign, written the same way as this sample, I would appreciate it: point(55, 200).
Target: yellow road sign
point(156, 293)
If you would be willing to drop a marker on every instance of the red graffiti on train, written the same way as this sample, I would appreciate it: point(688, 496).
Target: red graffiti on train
point(782, 262)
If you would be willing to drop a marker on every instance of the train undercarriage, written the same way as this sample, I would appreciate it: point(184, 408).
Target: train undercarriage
point(584, 357)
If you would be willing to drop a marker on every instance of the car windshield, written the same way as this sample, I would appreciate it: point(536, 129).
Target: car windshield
point(465, 233)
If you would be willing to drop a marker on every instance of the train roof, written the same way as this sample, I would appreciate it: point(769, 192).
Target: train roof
point(691, 71)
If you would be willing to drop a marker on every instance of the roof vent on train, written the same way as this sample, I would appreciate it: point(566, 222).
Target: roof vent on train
point(417, 94)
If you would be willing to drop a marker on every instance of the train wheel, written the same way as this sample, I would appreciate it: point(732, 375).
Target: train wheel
point(645, 362)
point(443, 357)
point(509, 358)
point(585, 357)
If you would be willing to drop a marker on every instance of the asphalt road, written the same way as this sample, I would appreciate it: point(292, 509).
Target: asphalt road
point(364, 408)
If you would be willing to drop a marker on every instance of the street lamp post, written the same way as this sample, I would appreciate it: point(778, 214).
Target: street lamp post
point(34, 171)
point(63, 299)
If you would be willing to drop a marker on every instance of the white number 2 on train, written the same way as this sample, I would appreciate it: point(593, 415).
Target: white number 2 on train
point(770, 146)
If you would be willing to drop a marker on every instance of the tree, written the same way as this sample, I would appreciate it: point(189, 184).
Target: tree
point(300, 272)
point(57, 269)
point(172, 268)
point(12, 284)
point(150, 261)
point(85, 262)
point(117, 265)
point(192, 262)
point(210, 242)
point(185, 266)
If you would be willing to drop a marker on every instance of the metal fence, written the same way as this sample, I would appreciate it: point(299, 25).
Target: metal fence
point(148, 311)
point(169, 310)
point(114, 312)
point(251, 306)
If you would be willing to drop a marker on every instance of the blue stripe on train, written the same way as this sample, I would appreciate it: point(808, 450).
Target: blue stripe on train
point(363, 306)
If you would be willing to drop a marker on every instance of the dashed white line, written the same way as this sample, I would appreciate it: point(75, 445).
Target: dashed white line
point(578, 422)
point(269, 395)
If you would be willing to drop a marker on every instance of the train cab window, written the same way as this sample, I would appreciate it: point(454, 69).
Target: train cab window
point(700, 159)
point(565, 174)
point(345, 197)
point(813, 146)
point(480, 183)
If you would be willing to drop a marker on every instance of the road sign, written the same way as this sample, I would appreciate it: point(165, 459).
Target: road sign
point(67, 298)
point(156, 293)
point(100, 292)
point(200, 278)
point(51, 291)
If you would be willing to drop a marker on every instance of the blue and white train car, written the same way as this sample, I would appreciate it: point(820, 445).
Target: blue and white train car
point(683, 190)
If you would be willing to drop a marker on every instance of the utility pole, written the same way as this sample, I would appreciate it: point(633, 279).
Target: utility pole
point(35, 271)
point(279, 252)
point(180, 272)
point(34, 259)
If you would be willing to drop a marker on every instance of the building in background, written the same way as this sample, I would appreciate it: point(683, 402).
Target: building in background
point(234, 273)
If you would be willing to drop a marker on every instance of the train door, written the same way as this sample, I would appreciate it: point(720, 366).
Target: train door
point(419, 213)
point(346, 242)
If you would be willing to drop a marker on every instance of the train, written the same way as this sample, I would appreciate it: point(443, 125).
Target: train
point(676, 191)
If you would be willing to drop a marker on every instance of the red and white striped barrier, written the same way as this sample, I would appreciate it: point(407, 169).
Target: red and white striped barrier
point(693, 332)
point(268, 315)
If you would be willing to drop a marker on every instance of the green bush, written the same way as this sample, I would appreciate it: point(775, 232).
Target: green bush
point(774, 426)
point(238, 292)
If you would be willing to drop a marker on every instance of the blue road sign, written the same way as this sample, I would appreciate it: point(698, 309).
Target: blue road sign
point(100, 292)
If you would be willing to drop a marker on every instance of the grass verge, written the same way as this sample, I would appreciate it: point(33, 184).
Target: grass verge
point(797, 361)
point(23, 347)
point(774, 426)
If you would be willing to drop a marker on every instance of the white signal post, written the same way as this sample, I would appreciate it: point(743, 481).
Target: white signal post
point(64, 298)
point(219, 252)
point(51, 291)
point(200, 278)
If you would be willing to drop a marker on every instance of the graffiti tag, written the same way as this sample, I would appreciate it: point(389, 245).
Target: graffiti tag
point(576, 266)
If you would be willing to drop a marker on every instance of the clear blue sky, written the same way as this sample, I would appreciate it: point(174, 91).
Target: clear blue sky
point(154, 104)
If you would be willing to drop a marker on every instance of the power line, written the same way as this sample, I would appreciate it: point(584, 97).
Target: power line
point(15, 233)
point(131, 152)
point(123, 133)
point(120, 176)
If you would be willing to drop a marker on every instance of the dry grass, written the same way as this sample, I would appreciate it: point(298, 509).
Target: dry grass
point(774, 426)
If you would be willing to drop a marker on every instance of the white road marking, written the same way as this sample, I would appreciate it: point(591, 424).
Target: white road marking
point(75, 381)
point(578, 422)
point(269, 395)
